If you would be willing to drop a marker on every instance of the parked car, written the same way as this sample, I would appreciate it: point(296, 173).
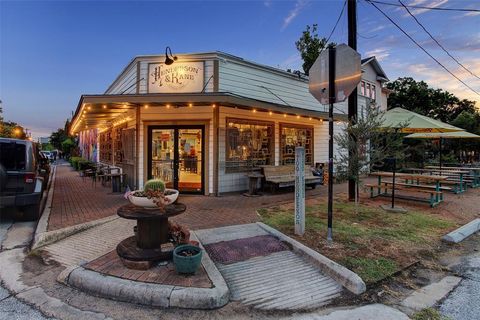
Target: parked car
point(48, 154)
point(21, 185)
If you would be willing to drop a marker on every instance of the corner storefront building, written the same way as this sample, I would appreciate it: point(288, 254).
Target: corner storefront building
point(203, 121)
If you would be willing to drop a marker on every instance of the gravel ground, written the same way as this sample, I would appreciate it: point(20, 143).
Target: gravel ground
point(464, 302)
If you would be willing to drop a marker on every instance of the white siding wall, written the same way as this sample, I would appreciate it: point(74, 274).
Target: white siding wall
point(126, 82)
point(370, 75)
point(248, 80)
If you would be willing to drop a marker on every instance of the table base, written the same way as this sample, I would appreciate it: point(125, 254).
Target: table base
point(133, 256)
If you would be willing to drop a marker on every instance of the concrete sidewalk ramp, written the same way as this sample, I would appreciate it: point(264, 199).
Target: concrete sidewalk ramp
point(277, 280)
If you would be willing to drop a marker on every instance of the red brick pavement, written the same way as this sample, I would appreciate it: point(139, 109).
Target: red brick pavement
point(76, 201)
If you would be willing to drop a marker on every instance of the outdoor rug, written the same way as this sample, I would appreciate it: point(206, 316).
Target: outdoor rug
point(227, 252)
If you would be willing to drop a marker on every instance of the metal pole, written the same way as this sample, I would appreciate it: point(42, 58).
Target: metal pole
point(393, 188)
point(352, 99)
point(440, 154)
point(331, 90)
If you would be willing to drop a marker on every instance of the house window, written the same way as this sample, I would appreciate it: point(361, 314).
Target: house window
point(295, 136)
point(362, 88)
point(249, 144)
point(368, 90)
point(373, 93)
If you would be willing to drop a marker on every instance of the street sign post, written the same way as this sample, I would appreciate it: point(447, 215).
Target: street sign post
point(333, 77)
point(299, 191)
point(347, 71)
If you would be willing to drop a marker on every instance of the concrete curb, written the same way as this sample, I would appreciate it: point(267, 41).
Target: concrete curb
point(45, 238)
point(10, 275)
point(347, 278)
point(43, 221)
point(429, 295)
point(463, 232)
point(152, 294)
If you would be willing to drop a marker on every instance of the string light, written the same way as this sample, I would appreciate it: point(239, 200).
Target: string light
point(168, 106)
point(104, 106)
point(89, 108)
point(270, 113)
point(254, 110)
point(213, 106)
point(298, 117)
point(284, 115)
point(310, 118)
point(190, 105)
point(146, 106)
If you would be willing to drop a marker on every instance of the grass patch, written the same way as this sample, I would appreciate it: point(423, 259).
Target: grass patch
point(429, 314)
point(371, 270)
point(371, 242)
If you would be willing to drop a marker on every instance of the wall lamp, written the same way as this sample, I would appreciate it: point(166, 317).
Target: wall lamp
point(169, 59)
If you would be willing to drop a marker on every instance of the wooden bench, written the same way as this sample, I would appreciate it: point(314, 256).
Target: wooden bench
point(435, 196)
point(284, 176)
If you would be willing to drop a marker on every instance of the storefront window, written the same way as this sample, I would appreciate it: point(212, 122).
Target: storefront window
point(249, 144)
point(296, 136)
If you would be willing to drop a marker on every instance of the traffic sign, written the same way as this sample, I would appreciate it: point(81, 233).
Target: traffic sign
point(348, 74)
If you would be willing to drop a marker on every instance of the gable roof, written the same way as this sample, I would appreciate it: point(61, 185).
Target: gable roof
point(381, 75)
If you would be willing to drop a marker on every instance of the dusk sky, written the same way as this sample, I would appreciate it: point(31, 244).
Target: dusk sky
point(51, 52)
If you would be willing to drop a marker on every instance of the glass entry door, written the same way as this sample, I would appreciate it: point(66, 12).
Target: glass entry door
point(176, 157)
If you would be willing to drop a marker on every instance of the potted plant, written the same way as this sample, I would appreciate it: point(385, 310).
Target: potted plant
point(153, 195)
point(187, 258)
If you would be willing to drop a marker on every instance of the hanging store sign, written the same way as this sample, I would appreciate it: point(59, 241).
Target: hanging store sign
point(174, 78)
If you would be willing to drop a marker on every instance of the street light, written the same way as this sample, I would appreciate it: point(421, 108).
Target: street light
point(168, 60)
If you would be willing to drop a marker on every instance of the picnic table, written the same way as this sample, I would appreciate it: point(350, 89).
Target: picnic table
point(474, 173)
point(435, 191)
point(454, 177)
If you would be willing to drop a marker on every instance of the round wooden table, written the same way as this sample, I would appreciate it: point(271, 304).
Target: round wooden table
point(152, 232)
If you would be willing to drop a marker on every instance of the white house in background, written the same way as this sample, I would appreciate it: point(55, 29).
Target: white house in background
point(44, 140)
point(203, 121)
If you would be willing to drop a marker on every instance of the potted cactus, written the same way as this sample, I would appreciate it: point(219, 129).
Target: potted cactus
point(153, 195)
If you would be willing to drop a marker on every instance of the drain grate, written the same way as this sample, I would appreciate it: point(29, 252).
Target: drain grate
point(227, 252)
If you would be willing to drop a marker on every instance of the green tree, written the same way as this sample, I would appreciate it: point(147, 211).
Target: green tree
point(371, 144)
point(469, 121)
point(309, 45)
point(418, 97)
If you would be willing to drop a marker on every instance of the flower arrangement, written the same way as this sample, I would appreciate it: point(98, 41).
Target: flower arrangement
point(178, 234)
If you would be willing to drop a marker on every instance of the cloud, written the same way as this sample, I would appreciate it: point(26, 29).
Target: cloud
point(267, 3)
point(379, 53)
point(437, 77)
point(467, 43)
point(423, 3)
point(299, 6)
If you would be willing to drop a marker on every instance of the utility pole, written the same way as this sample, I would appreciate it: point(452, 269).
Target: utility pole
point(352, 99)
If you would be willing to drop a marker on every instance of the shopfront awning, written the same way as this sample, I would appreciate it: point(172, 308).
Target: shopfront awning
point(97, 111)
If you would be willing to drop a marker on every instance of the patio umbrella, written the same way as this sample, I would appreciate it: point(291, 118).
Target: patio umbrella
point(407, 121)
point(416, 123)
point(441, 136)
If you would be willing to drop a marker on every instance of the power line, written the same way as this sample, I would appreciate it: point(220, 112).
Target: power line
point(423, 49)
point(443, 48)
point(334, 27)
point(428, 8)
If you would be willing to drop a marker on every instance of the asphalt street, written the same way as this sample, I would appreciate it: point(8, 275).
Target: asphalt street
point(464, 302)
point(10, 307)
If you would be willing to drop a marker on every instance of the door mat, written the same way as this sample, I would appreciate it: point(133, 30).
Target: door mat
point(227, 252)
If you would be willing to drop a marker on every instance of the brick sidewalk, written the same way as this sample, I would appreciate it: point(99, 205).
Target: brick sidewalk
point(76, 201)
